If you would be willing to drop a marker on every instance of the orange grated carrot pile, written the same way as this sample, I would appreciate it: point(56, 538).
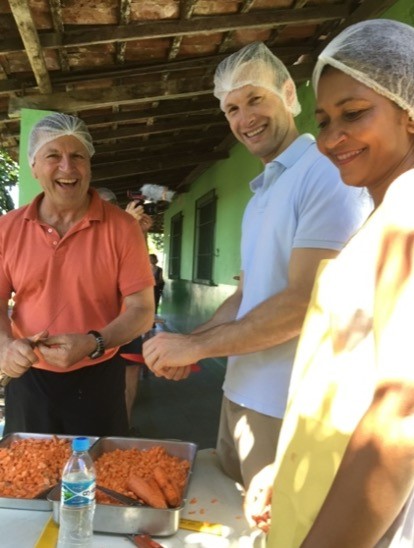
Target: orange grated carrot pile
point(29, 466)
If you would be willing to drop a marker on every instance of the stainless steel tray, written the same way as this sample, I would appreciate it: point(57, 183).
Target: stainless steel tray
point(41, 503)
point(130, 520)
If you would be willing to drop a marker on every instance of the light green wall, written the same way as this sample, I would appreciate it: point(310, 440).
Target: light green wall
point(401, 11)
point(230, 180)
point(186, 304)
point(28, 186)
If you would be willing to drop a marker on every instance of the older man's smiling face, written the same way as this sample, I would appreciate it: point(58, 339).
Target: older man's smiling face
point(63, 169)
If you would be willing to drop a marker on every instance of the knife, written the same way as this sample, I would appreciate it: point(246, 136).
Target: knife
point(119, 496)
point(4, 378)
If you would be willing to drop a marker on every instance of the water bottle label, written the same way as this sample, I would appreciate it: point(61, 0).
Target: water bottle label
point(78, 493)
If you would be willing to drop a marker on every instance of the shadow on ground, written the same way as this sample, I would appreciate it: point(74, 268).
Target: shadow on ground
point(185, 410)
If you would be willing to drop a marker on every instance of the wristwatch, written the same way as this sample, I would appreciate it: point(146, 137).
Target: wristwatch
point(100, 345)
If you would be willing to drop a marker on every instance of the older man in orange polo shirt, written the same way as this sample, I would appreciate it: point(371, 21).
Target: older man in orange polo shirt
point(71, 260)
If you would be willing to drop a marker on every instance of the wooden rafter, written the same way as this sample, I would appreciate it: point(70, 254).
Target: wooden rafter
point(123, 95)
point(195, 25)
point(141, 73)
point(30, 38)
point(56, 13)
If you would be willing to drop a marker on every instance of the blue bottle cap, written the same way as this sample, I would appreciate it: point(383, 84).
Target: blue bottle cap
point(80, 444)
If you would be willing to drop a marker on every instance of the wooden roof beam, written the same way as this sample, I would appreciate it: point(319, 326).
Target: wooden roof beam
point(196, 25)
point(78, 100)
point(82, 76)
point(137, 166)
point(30, 38)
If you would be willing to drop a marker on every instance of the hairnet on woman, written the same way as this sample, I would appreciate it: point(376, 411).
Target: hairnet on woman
point(379, 53)
point(344, 469)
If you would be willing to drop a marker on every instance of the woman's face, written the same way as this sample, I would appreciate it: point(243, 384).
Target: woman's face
point(364, 134)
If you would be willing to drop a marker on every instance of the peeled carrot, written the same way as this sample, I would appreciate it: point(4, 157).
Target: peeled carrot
point(167, 486)
point(147, 491)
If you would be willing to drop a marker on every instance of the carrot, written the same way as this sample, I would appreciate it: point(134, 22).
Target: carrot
point(146, 491)
point(114, 467)
point(167, 486)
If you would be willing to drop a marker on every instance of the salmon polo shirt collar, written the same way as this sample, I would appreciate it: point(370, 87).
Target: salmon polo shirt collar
point(95, 210)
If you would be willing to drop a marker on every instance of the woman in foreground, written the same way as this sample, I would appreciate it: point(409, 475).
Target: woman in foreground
point(345, 461)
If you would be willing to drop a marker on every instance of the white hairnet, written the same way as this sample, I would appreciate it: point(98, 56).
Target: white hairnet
point(255, 65)
point(54, 126)
point(107, 194)
point(379, 53)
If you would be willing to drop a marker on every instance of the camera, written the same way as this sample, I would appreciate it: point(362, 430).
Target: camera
point(150, 208)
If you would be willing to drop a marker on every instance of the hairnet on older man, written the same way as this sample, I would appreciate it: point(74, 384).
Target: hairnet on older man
point(54, 126)
point(255, 65)
point(379, 53)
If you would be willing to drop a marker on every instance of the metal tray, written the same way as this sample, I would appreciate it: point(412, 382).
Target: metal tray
point(130, 520)
point(41, 502)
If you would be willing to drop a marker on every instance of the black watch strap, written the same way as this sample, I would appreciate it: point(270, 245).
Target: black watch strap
point(100, 345)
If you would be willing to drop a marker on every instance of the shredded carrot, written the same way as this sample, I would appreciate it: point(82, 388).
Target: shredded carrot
point(30, 466)
point(114, 468)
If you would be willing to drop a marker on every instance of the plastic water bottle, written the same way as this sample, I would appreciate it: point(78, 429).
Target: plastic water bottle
point(77, 503)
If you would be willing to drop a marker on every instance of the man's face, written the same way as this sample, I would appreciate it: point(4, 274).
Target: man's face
point(63, 169)
point(259, 119)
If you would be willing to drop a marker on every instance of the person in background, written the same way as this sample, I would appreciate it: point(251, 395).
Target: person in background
point(83, 287)
point(132, 351)
point(344, 470)
point(159, 280)
point(300, 213)
point(133, 208)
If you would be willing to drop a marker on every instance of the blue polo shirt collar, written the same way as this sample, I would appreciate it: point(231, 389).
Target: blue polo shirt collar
point(285, 160)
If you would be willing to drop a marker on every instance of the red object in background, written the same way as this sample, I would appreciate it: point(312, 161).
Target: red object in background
point(139, 358)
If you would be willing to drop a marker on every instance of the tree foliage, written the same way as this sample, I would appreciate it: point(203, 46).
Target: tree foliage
point(9, 173)
point(157, 241)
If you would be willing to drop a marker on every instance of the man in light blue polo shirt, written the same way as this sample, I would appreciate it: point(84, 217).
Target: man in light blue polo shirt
point(300, 213)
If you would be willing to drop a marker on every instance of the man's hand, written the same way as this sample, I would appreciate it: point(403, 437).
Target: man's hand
point(174, 373)
point(257, 502)
point(168, 351)
point(17, 355)
point(137, 211)
point(66, 350)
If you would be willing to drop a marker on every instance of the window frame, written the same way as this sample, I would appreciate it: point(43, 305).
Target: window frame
point(204, 236)
point(175, 247)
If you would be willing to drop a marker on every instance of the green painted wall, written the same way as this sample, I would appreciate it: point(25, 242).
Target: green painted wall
point(401, 11)
point(185, 304)
point(28, 185)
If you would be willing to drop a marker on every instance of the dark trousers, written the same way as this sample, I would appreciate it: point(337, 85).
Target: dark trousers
point(89, 401)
